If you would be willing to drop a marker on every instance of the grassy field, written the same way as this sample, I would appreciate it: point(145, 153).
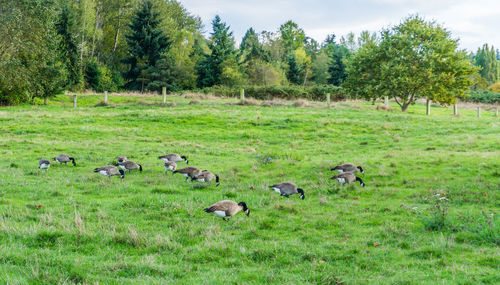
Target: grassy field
point(70, 225)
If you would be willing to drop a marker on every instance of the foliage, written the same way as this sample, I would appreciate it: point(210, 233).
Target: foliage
point(337, 65)
point(29, 64)
point(438, 211)
point(99, 78)
point(495, 87)
point(485, 58)
point(414, 59)
point(484, 96)
point(147, 45)
point(315, 92)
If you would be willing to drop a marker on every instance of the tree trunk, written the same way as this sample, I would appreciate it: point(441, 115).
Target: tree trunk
point(115, 44)
point(404, 107)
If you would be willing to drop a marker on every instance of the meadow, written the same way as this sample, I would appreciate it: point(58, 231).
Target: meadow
point(71, 226)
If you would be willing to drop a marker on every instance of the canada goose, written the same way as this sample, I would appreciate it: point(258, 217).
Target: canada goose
point(64, 158)
point(44, 164)
point(351, 168)
point(130, 165)
point(225, 209)
point(207, 176)
point(288, 188)
point(173, 157)
point(348, 177)
point(170, 166)
point(121, 158)
point(109, 171)
point(188, 172)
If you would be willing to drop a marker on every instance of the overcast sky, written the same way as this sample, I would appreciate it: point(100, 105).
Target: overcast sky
point(475, 22)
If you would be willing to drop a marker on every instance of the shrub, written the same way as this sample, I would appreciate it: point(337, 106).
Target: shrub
point(317, 92)
point(483, 96)
point(495, 87)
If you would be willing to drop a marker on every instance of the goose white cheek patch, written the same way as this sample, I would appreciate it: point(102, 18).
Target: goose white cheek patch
point(103, 172)
point(277, 190)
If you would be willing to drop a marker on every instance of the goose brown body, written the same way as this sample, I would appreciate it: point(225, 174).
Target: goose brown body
point(207, 176)
point(64, 158)
point(109, 171)
point(129, 165)
point(189, 172)
point(173, 157)
point(170, 166)
point(347, 178)
point(225, 209)
point(43, 164)
point(348, 167)
point(287, 188)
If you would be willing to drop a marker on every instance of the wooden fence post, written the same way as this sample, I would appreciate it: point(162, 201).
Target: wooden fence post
point(479, 112)
point(164, 92)
point(496, 112)
point(106, 97)
point(386, 100)
point(45, 101)
point(428, 109)
point(74, 101)
point(328, 99)
point(455, 109)
point(242, 94)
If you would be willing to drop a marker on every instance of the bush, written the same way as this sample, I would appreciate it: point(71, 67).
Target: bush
point(100, 78)
point(483, 96)
point(317, 92)
point(495, 87)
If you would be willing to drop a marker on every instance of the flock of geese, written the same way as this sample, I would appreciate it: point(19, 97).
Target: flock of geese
point(224, 209)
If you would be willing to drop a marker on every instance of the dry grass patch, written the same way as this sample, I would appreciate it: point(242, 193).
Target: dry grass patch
point(300, 103)
point(194, 102)
point(384, 108)
point(200, 96)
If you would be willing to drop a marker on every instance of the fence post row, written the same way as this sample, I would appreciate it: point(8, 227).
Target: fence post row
point(386, 100)
point(106, 97)
point(328, 99)
point(74, 101)
point(242, 94)
point(428, 111)
point(496, 112)
point(479, 112)
point(455, 109)
point(164, 92)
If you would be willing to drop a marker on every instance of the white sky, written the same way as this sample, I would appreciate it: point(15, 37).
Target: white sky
point(474, 22)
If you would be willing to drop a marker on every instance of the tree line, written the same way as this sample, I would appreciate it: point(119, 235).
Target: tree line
point(47, 46)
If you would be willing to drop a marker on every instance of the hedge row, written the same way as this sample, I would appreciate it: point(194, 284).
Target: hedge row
point(316, 93)
point(483, 96)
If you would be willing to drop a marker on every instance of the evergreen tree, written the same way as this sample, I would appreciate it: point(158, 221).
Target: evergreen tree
point(486, 58)
point(293, 73)
point(211, 68)
point(68, 47)
point(147, 45)
point(337, 67)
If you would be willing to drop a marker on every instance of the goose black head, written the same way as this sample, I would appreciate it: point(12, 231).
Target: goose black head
point(217, 183)
point(73, 160)
point(360, 181)
point(122, 173)
point(245, 208)
point(301, 192)
point(185, 159)
point(360, 169)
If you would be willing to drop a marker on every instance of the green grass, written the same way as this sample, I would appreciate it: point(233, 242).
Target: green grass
point(70, 225)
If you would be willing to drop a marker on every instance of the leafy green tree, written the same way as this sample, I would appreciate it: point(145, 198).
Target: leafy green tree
point(415, 59)
point(29, 61)
point(490, 66)
point(147, 44)
point(292, 36)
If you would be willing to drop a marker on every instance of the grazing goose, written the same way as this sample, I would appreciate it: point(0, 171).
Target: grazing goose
point(225, 209)
point(173, 157)
point(188, 172)
point(348, 177)
point(121, 158)
point(288, 188)
point(44, 164)
point(207, 176)
point(351, 168)
point(170, 166)
point(64, 158)
point(109, 171)
point(130, 165)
